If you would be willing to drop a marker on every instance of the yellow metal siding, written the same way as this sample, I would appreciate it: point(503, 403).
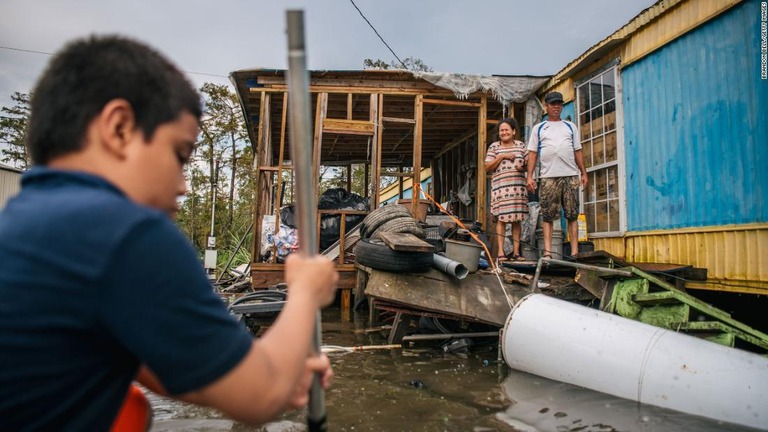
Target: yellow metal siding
point(682, 17)
point(9, 185)
point(614, 245)
point(653, 28)
point(735, 256)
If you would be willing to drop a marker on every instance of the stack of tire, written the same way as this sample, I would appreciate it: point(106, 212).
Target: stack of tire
point(371, 251)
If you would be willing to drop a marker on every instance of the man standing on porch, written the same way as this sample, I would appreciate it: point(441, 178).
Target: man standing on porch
point(555, 143)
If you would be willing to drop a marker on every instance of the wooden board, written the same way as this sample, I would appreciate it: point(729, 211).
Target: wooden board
point(405, 242)
point(478, 297)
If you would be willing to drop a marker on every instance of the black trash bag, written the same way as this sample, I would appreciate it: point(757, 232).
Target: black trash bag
point(330, 225)
point(477, 228)
point(288, 216)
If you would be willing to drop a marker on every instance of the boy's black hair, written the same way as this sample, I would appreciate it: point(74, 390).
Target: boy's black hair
point(87, 74)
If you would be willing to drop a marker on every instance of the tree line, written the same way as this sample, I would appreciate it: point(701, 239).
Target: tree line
point(221, 167)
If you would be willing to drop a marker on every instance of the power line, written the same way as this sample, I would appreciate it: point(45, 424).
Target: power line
point(377, 34)
point(50, 54)
point(25, 50)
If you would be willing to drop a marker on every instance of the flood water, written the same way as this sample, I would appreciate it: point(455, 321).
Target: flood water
point(425, 389)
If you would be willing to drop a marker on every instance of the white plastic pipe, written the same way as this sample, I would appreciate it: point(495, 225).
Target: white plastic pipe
point(567, 342)
point(449, 266)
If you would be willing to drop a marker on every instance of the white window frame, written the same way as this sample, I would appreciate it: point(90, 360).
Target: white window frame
point(613, 68)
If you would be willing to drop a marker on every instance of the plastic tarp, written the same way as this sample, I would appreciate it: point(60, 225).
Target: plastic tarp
point(506, 89)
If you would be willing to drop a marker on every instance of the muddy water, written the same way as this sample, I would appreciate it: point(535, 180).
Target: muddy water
point(425, 389)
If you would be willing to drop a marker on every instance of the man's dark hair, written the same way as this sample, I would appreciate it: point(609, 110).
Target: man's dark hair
point(87, 74)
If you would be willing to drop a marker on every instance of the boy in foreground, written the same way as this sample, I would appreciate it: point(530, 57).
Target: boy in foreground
point(98, 287)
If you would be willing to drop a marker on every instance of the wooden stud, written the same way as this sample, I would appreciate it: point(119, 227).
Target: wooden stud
point(480, 160)
point(361, 280)
point(374, 116)
point(342, 234)
point(452, 103)
point(280, 156)
point(376, 155)
point(256, 243)
point(346, 304)
point(398, 120)
point(417, 135)
point(322, 108)
point(354, 127)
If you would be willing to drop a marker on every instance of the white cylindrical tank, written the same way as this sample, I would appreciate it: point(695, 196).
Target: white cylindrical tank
point(567, 342)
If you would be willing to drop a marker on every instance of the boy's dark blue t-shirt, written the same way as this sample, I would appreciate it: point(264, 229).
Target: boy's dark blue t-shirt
point(92, 284)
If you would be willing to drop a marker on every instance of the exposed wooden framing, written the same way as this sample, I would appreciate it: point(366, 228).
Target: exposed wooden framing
point(398, 120)
point(375, 117)
point(480, 174)
point(357, 90)
point(417, 134)
point(280, 155)
point(349, 84)
point(417, 118)
point(342, 235)
point(256, 244)
point(322, 106)
point(402, 140)
point(353, 127)
point(451, 103)
point(458, 141)
point(266, 154)
point(349, 106)
point(376, 155)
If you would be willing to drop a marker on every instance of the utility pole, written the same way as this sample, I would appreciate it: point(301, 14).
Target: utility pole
point(211, 253)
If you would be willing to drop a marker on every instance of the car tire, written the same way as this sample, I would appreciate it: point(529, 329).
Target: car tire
point(404, 224)
point(379, 216)
point(375, 254)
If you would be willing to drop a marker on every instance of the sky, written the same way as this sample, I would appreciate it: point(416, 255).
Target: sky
point(209, 39)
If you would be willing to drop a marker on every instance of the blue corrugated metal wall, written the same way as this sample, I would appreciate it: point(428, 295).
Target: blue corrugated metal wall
point(696, 128)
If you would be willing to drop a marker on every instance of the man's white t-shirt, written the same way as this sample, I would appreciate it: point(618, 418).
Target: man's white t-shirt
point(558, 143)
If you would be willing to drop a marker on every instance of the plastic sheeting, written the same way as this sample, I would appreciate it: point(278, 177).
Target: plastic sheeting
point(506, 89)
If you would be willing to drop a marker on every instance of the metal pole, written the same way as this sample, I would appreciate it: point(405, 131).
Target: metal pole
point(547, 261)
point(301, 155)
point(214, 183)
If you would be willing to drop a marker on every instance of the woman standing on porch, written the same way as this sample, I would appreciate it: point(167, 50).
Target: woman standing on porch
point(506, 159)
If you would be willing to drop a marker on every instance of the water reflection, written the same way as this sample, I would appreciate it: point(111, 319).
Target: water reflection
point(540, 404)
point(425, 389)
